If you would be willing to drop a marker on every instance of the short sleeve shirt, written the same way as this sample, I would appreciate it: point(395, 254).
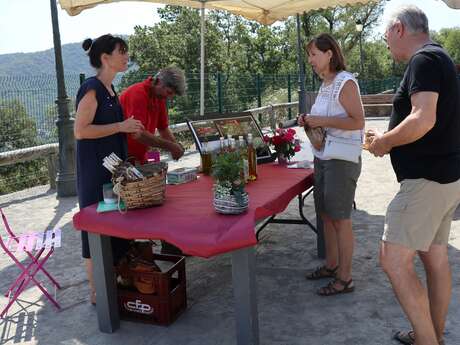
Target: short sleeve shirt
point(435, 156)
point(139, 101)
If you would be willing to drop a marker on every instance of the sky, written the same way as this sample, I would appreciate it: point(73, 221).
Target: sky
point(25, 25)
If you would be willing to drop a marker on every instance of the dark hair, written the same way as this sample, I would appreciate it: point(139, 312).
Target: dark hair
point(105, 44)
point(325, 42)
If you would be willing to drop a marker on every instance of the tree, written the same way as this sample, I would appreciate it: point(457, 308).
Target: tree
point(18, 130)
point(175, 40)
point(247, 56)
point(450, 40)
point(341, 23)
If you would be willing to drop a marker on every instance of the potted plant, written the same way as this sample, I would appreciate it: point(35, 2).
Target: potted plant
point(284, 144)
point(229, 194)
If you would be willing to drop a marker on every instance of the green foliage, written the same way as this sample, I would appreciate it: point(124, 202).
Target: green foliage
point(175, 41)
point(17, 130)
point(252, 62)
point(341, 23)
point(235, 48)
point(240, 50)
point(227, 167)
point(450, 40)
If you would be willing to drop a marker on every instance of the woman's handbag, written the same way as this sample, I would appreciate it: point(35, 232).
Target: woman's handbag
point(346, 149)
point(316, 136)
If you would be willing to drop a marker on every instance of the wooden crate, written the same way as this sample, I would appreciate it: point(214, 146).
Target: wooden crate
point(165, 305)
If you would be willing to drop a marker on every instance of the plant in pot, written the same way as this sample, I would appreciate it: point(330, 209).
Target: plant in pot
point(229, 194)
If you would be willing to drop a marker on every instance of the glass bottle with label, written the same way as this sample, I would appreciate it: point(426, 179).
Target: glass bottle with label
point(252, 159)
point(206, 159)
point(231, 144)
point(223, 147)
point(229, 140)
point(244, 157)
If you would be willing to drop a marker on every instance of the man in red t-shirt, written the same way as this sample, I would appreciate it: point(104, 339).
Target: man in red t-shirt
point(146, 101)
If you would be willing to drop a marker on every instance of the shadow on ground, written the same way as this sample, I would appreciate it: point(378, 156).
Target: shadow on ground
point(289, 310)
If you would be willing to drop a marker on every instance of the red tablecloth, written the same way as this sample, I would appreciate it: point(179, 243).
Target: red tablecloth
point(187, 218)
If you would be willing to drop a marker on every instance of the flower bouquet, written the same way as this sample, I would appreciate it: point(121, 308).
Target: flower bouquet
point(284, 144)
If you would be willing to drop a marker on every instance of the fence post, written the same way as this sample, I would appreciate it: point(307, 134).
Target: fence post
point(259, 96)
point(219, 92)
point(82, 78)
point(289, 96)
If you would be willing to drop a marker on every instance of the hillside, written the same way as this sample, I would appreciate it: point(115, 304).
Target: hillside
point(42, 62)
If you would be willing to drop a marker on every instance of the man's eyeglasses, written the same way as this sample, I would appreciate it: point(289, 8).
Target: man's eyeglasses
point(387, 31)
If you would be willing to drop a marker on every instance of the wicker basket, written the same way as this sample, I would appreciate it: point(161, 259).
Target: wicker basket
point(229, 205)
point(146, 192)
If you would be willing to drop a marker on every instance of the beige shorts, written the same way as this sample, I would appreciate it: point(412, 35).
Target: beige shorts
point(421, 213)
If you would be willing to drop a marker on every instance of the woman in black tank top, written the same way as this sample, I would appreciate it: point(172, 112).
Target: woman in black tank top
point(100, 130)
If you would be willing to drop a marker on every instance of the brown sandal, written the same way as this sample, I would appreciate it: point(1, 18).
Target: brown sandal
point(322, 272)
point(331, 290)
point(406, 338)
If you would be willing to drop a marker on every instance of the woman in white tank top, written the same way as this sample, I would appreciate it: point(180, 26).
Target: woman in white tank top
point(337, 109)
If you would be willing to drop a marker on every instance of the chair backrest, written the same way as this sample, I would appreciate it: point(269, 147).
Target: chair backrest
point(29, 241)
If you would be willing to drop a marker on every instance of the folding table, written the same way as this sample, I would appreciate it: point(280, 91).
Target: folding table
point(187, 220)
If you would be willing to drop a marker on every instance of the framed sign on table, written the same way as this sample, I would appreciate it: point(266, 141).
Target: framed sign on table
point(210, 129)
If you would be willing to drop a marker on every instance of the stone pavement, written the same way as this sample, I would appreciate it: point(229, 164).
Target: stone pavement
point(290, 313)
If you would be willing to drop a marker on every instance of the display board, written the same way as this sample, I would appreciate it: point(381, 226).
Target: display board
point(210, 130)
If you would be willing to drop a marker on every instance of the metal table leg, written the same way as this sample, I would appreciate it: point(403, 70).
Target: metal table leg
point(104, 279)
point(244, 290)
point(321, 249)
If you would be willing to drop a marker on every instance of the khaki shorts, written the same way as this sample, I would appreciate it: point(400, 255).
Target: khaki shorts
point(421, 213)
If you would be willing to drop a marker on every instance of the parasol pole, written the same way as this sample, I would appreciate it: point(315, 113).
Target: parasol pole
point(203, 28)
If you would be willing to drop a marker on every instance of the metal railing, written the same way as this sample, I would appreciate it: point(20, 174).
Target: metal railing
point(224, 94)
point(270, 116)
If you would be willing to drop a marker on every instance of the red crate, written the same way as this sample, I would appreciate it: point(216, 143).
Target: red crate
point(166, 304)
